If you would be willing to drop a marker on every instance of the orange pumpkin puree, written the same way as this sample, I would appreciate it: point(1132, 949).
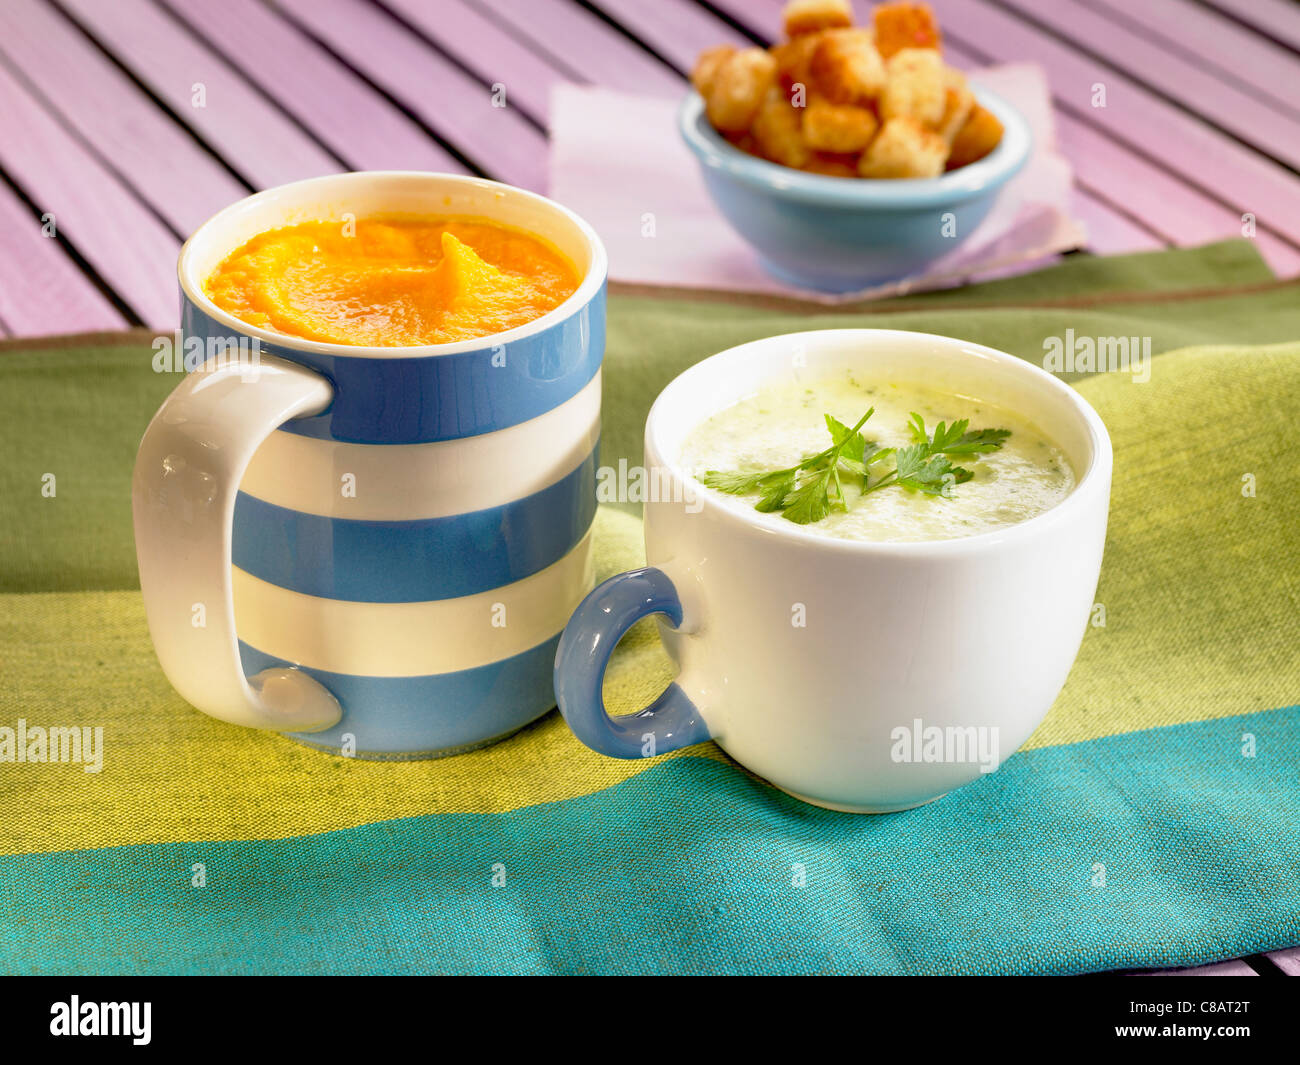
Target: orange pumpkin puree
point(393, 281)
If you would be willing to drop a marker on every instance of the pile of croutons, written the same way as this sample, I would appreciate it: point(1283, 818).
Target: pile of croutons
point(846, 100)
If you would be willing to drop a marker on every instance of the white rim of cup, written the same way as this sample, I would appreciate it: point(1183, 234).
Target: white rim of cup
point(1066, 510)
point(591, 282)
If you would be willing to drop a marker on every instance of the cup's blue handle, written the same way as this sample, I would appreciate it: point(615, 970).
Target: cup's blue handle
point(671, 721)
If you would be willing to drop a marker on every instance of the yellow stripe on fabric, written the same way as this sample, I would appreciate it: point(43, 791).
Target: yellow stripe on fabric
point(171, 773)
point(1200, 583)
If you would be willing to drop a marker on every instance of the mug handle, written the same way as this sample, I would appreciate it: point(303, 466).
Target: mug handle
point(187, 473)
point(602, 619)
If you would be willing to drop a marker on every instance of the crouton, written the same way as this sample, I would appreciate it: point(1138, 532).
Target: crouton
point(903, 149)
point(978, 136)
point(708, 65)
point(777, 131)
point(793, 59)
point(914, 86)
point(744, 141)
point(840, 128)
point(900, 26)
point(958, 101)
point(843, 100)
point(738, 89)
point(809, 16)
point(830, 164)
point(846, 68)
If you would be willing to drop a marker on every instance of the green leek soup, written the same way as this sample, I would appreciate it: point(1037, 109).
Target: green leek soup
point(1021, 476)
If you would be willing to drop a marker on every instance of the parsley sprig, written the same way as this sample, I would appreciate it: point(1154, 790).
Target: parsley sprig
point(808, 491)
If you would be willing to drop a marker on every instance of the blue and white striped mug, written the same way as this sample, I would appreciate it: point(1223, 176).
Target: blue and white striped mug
point(373, 549)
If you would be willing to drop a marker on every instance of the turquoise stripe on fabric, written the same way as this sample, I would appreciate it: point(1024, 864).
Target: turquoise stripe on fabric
point(692, 867)
point(419, 560)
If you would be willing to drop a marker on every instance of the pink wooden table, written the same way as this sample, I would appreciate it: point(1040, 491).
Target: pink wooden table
point(126, 123)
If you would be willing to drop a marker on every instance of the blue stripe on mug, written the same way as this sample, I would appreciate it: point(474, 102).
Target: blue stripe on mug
point(415, 561)
point(443, 713)
point(420, 399)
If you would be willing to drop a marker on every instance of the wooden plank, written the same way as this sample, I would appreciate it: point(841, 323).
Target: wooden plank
point(480, 43)
point(1174, 210)
point(42, 290)
point(341, 110)
point(1110, 232)
point(182, 182)
point(250, 133)
point(499, 140)
point(1150, 126)
point(1177, 212)
point(600, 53)
point(1206, 37)
point(1131, 186)
point(1287, 960)
point(1277, 19)
point(763, 17)
point(1097, 199)
point(678, 30)
point(119, 237)
point(1111, 43)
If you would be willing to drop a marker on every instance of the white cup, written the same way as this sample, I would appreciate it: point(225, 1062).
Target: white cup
point(858, 676)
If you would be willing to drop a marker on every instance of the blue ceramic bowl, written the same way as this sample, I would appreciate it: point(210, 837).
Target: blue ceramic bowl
point(842, 234)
